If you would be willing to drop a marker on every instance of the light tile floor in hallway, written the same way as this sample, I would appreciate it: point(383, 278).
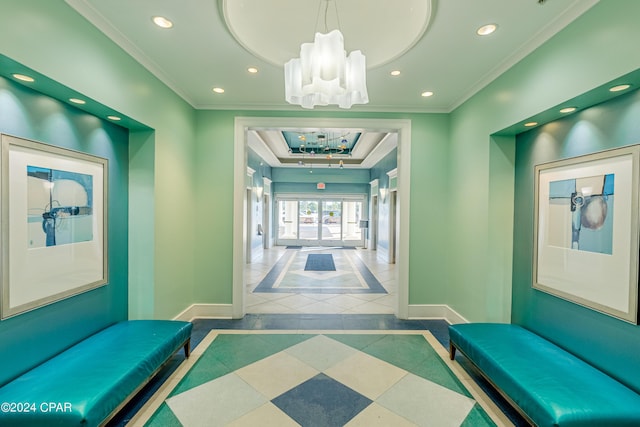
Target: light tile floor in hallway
point(321, 303)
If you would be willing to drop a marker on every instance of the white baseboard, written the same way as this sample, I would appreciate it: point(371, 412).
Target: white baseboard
point(225, 311)
point(206, 311)
point(436, 311)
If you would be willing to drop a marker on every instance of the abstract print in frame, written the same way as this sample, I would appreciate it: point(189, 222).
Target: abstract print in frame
point(586, 231)
point(53, 207)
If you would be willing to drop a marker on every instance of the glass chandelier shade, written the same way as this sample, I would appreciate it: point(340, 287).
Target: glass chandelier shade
point(325, 75)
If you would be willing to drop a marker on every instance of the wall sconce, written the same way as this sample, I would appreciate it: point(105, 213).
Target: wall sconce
point(383, 194)
point(259, 192)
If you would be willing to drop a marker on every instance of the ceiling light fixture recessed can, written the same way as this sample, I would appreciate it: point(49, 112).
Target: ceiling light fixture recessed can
point(530, 124)
point(162, 22)
point(619, 88)
point(252, 70)
point(114, 118)
point(568, 110)
point(77, 101)
point(218, 90)
point(24, 78)
point(395, 73)
point(426, 94)
point(485, 30)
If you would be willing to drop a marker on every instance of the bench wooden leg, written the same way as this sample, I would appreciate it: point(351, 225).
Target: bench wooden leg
point(187, 348)
point(452, 351)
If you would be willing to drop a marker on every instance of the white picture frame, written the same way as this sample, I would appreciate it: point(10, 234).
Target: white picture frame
point(53, 208)
point(586, 231)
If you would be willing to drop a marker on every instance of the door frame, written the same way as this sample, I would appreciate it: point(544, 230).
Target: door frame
point(243, 124)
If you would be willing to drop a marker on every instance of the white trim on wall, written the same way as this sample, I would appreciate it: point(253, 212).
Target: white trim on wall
point(416, 312)
point(206, 311)
point(436, 311)
point(244, 124)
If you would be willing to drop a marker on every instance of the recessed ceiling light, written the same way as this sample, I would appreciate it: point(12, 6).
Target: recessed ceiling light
point(252, 70)
point(568, 110)
point(218, 90)
point(395, 73)
point(77, 101)
point(530, 124)
point(485, 30)
point(114, 118)
point(427, 94)
point(619, 88)
point(24, 78)
point(162, 22)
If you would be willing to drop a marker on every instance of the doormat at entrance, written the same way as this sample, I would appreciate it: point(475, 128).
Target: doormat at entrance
point(322, 379)
point(320, 262)
point(350, 275)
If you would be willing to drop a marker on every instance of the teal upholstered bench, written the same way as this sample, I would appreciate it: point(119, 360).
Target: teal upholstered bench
point(88, 383)
point(547, 385)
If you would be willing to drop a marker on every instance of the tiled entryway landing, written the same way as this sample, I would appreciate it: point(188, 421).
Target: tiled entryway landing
point(321, 303)
point(320, 381)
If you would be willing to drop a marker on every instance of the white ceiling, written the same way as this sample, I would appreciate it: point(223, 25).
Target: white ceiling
point(199, 52)
point(448, 58)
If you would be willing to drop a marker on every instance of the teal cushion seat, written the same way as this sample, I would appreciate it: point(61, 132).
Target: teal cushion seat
point(549, 385)
point(86, 383)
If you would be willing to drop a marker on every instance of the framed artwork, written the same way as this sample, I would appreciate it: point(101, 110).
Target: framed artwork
point(586, 231)
point(53, 207)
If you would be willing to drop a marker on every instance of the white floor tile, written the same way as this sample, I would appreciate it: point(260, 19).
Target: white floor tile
point(375, 415)
point(215, 403)
point(345, 301)
point(367, 375)
point(321, 352)
point(276, 374)
point(419, 400)
point(267, 415)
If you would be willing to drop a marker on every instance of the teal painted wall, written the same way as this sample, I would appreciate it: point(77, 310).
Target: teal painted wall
point(380, 169)
point(430, 244)
point(30, 338)
point(304, 179)
point(69, 50)
point(611, 344)
point(481, 169)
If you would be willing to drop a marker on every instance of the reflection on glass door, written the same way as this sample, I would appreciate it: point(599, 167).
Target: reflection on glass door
point(331, 220)
point(287, 220)
point(326, 222)
point(308, 221)
point(352, 214)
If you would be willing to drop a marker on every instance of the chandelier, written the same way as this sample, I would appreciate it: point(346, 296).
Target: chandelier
point(324, 74)
point(324, 148)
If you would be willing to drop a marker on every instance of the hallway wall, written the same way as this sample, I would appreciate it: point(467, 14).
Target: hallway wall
point(589, 334)
point(70, 51)
point(29, 338)
point(481, 171)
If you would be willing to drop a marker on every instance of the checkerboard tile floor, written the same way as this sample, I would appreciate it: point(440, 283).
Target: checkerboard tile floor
point(321, 380)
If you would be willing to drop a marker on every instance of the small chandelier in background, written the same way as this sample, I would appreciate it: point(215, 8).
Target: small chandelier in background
point(324, 74)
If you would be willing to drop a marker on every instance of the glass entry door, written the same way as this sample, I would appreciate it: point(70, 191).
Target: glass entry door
point(308, 221)
point(320, 222)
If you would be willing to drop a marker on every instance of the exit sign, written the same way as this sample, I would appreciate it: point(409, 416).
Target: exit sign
point(320, 186)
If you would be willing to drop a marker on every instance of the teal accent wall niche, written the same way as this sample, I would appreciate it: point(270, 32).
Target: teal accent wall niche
point(30, 338)
point(611, 344)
